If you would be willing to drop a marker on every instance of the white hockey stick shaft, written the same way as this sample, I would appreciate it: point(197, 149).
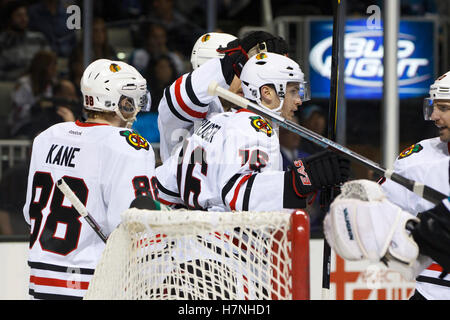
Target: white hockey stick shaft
point(421, 190)
point(79, 206)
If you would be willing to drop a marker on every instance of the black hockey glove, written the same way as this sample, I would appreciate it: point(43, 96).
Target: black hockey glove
point(432, 235)
point(238, 51)
point(321, 170)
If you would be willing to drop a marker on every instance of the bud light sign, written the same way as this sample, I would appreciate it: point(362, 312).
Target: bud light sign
point(363, 51)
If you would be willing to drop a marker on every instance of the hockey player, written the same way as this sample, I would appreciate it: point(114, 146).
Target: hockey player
point(363, 225)
point(186, 102)
point(233, 161)
point(105, 165)
point(427, 162)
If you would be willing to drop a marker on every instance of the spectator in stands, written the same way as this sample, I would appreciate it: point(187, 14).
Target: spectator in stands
point(50, 18)
point(160, 74)
point(63, 106)
point(101, 47)
point(37, 83)
point(75, 69)
point(18, 44)
point(155, 45)
point(181, 33)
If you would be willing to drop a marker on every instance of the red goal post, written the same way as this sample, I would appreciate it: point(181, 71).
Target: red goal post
point(202, 255)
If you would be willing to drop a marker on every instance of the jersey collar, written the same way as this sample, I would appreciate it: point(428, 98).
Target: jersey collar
point(89, 124)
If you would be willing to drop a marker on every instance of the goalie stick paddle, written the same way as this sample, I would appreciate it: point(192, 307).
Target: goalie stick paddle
point(76, 203)
point(419, 189)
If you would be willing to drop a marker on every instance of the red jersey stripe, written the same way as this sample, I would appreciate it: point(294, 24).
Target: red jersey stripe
point(82, 285)
point(183, 105)
point(167, 203)
point(435, 267)
point(236, 191)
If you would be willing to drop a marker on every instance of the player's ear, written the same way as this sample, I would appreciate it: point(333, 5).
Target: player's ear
point(268, 94)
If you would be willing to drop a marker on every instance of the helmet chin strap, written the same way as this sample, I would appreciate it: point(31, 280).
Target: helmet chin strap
point(129, 121)
point(277, 110)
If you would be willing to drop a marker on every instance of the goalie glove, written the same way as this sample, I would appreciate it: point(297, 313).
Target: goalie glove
point(363, 225)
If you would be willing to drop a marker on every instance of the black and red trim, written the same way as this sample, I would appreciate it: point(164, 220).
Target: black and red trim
point(183, 105)
point(172, 107)
point(190, 92)
point(89, 124)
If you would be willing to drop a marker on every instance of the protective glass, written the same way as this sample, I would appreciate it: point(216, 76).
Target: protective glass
point(427, 108)
point(129, 106)
point(441, 105)
point(145, 102)
point(304, 91)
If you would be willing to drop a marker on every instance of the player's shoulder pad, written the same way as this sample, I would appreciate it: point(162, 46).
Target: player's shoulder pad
point(134, 139)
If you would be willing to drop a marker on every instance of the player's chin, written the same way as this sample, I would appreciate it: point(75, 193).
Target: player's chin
point(444, 134)
point(289, 115)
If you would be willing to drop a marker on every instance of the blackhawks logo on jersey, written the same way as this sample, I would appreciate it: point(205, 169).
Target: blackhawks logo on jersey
point(135, 140)
point(260, 124)
point(415, 148)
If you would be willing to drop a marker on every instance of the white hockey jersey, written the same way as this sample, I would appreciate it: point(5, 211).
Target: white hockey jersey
point(231, 162)
point(106, 167)
point(186, 103)
point(426, 162)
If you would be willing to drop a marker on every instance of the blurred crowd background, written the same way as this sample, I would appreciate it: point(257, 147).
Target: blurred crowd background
point(41, 63)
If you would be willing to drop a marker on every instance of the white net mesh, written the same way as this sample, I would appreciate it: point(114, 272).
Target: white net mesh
point(196, 255)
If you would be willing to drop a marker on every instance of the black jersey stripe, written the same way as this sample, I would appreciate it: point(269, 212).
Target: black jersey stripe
point(190, 92)
point(229, 186)
point(437, 281)
point(172, 107)
point(168, 192)
point(248, 190)
point(52, 296)
point(54, 267)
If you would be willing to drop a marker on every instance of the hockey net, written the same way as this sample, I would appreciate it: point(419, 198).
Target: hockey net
point(198, 255)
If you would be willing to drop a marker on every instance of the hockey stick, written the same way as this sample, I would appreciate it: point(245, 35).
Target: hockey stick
point(419, 189)
point(76, 203)
point(336, 92)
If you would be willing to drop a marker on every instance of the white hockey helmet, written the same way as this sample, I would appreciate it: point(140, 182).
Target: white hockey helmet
point(439, 90)
point(114, 86)
point(272, 68)
point(206, 47)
